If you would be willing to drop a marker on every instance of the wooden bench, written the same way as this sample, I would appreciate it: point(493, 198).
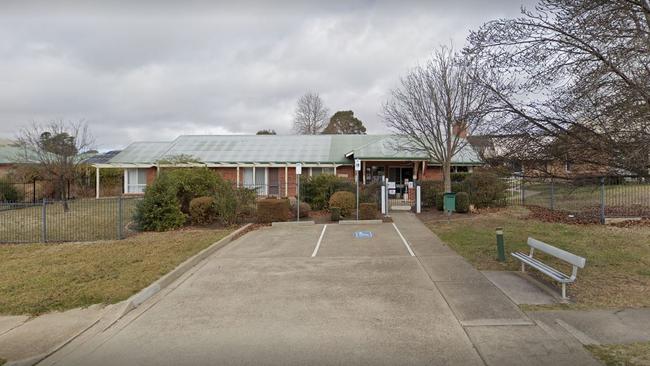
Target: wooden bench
point(574, 260)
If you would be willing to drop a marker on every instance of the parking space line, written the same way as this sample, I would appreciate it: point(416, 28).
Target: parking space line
point(404, 240)
point(322, 233)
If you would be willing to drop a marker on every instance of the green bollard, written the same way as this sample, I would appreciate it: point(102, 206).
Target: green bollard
point(501, 251)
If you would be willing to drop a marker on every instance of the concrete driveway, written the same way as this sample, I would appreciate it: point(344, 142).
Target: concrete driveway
point(296, 295)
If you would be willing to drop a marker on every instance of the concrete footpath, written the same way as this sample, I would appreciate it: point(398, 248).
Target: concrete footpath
point(316, 294)
point(23, 337)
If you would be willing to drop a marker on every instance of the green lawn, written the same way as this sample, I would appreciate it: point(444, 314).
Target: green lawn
point(633, 354)
point(87, 220)
point(617, 273)
point(576, 198)
point(37, 278)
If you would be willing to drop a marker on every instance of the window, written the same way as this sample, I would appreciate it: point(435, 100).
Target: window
point(136, 180)
point(319, 171)
point(257, 180)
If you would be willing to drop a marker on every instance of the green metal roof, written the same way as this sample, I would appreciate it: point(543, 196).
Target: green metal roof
point(10, 153)
point(399, 148)
point(230, 149)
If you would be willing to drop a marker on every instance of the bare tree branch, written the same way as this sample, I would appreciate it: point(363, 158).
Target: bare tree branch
point(310, 115)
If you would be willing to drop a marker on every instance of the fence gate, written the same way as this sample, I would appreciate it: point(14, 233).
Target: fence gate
point(399, 197)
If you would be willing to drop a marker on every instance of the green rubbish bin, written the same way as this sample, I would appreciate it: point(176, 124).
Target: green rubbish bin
point(450, 202)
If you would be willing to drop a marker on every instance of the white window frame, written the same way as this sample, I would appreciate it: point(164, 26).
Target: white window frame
point(261, 191)
point(138, 187)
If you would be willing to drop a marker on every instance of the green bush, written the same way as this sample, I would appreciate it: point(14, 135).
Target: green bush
point(202, 210)
point(459, 177)
point(485, 188)
point(246, 199)
point(8, 192)
point(429, 189)
point(462, 202)
point(369, 193)
point(368, 211)
point(196, 182)
point(440, 201)
point(304, 209)
point(272, 210)
point(344, 200)
point(159, 210)
point(335, 213)
point(317, 190)
point(225, 205)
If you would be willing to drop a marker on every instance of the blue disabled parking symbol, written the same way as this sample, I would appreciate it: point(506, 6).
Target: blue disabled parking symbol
point(363, 234)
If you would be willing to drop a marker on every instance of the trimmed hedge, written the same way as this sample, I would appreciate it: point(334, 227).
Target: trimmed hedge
point(202, 210)
point(346, 201)
point(272, 210)
point(429, 189)
point(336, 213)
point(462, 202)
point(304, 209)
point(485, 189)
point(368, 211)
point(440, 201)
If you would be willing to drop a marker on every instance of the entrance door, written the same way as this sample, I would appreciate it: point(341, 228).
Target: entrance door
point(274, 182)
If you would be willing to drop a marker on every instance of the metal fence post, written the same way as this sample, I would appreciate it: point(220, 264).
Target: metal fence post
point(523, 192)
point(120, 221)
point(44, 222)
point(602, 200)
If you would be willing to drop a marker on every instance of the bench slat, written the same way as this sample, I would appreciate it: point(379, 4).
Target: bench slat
point(557, 252)
point(543, 267)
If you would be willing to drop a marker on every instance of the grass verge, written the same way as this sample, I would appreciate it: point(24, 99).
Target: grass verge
point(37, 278)
point(633, 354)
point(617, 273)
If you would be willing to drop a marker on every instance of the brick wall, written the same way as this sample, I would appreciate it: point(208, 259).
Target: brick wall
point(345, 171)
point(432, 173)
point(230, 174)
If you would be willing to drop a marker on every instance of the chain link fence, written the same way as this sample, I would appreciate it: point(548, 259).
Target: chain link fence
point(85, 220)
point(591, 199)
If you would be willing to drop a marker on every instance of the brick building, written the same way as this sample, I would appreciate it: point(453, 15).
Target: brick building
point(268, 162)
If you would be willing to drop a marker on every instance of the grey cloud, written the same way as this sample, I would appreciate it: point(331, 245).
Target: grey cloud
point(154, 70)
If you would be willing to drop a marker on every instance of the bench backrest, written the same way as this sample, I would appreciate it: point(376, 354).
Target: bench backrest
point(557, 252)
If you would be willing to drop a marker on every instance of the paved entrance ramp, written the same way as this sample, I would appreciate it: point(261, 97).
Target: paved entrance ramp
point(520, 288)
point(340, 241)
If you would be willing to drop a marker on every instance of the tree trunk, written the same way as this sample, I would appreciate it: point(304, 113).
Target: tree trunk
point(446, 175)
point(62, 194)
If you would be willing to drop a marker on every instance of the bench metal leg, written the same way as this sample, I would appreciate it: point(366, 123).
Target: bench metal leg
point(564, 291)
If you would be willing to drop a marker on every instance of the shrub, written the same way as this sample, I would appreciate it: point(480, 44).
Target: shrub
point(202, 210)
point(8, 192)
point(196, 182)
point(462, 202)
point(225, 205)
point(429, 189)
point(485, 189)
point(368, 211)
point(336, 213)
point(272, 210)
point(159, 210)
point(440, 201)
point(369, 193)
point(304, 209)
point(459, 177)
point(317, 190)
point(246, 199)
point(344, 200)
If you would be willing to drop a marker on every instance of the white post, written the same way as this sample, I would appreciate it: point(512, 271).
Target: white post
point(126, 180)
point(96, 182)
point(418, 197)
point(383, 199)
point(237, 175)
point(286, 180)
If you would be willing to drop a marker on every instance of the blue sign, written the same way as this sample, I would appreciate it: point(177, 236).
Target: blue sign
point(363, 234)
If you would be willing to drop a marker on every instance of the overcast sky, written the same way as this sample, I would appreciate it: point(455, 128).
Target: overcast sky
point(159, 69)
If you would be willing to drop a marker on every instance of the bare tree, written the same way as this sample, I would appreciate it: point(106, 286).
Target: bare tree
point(310, 115)
point(436, 105)
point(580, 73)
point(59, 149)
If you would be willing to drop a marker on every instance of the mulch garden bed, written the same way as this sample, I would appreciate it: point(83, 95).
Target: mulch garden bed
point(590, 215)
